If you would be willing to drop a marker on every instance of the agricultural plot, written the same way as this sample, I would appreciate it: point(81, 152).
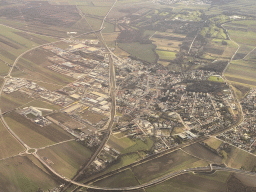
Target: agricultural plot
point(13, 100)
point(4, 68)
point(203, 153)
point(14, 42)
point(21, 174)
point(242, 72)
point(194, 183)
point(9, 145)
point(92, 117)
point(67, 120)
point(127, 145)
point(233, 156)
point(66, 158)
point(123, 179)
point(172, 162)
point(34, 135)
point(144, 52)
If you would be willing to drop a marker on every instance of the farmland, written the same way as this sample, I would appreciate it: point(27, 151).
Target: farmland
point(233, 156)
point(127, 145)
point(155, 168)
point(14, 42)
point(66, 120)
point(66, 158)
point(194, 183)
point(21, 174)
point(123, 179)
point(144, 52)
point(13, 100)
point(34, 135)
point(9, 145)
point(203, 153)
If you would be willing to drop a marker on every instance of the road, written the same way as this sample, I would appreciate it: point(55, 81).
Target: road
point(155, 181)
point(112, 94)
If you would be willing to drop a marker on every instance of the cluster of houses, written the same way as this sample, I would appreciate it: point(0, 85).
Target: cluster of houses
point(244, 135)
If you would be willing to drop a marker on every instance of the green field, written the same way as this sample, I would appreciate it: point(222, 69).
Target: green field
point(66, 157)
point(8, 144)
point(242, 71)
point(194, 183)
point(22, 175)
point(94, 10)
point(141, 51)
point(158, 167)
point(14, 42)
point(216, 79)
point(127, 145)
point(34, 135)
point(124, 160)
point(123, 179)
point(4, 68)
point(13, 100)
point(166, 55)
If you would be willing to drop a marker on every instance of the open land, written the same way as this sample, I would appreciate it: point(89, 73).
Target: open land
point(66, 158)
point(34, 135)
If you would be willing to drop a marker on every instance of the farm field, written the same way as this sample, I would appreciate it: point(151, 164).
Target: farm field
point(13, 100)
point(165, 55)
point(4, 68)
point(9, 145)
point(242, 71)
point(124, 179)
point(66, 158)
point(171, 162)
point(66, 120)
point(194, 183)
point(202, 152)
point(14, 42)
point(127, 145)
point(91, 116)
point(144, 52)
point(234, 157)
point(34, 135)
point(21, 174)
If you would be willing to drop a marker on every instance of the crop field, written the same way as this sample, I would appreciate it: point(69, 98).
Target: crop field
point(203, 153)
point(94, 10)
point(127, 145)
point(34, 135)
point(155, 168)
point(14, 42)
point(194, 183)
point(4, 68)
point(125, 160)
point(66, 158)
point(13, 100)
point(123, 179)
point(242, 71)
point(234, 157)
point(213, 143)
point(141, 51)
point(166, 55)
point(21, 174)
point(66, 120)
point(9, 145)
point(216, 79)
point(93, 117)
